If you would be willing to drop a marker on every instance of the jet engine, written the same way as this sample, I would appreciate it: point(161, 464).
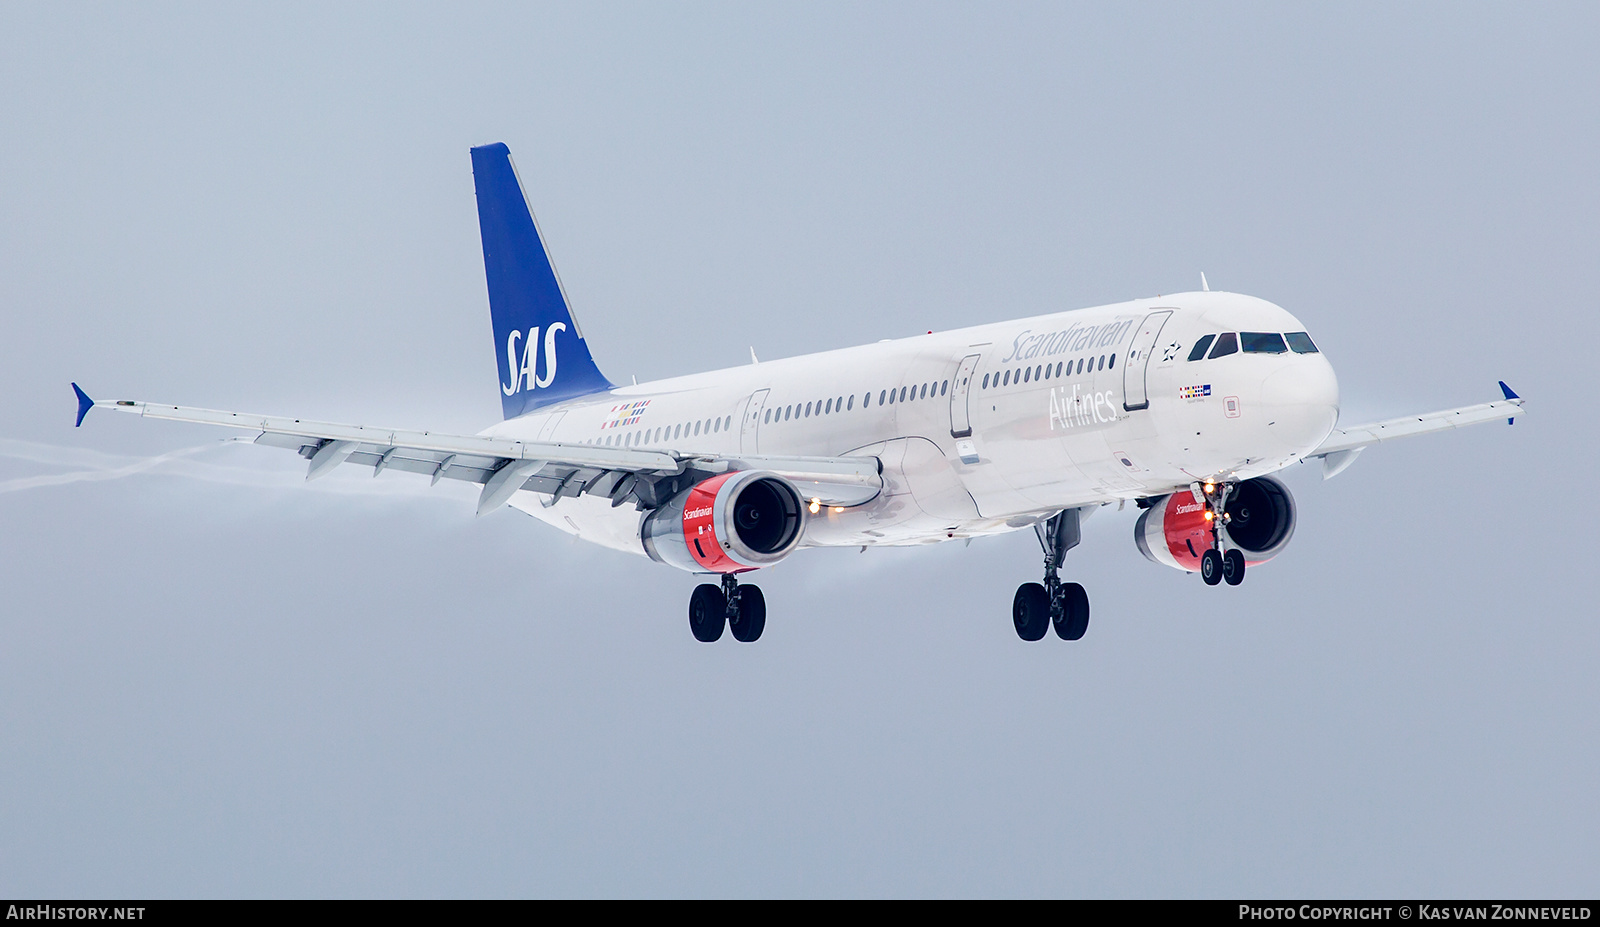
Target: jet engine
point(1260, 522)
point(729, 523)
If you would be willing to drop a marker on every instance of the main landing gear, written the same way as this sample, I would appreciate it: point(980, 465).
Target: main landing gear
point(742, 609)
point(1217, 564)
point(1053, 604)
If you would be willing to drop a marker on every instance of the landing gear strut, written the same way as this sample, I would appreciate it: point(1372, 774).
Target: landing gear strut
point(1217, 564)
point(1063, 606)
point(742, 609)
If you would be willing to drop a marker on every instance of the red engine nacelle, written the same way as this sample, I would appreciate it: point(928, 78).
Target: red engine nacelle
point(729, 523)
point(1261, 520)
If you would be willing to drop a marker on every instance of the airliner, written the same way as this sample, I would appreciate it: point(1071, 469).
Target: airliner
point(1185, 404)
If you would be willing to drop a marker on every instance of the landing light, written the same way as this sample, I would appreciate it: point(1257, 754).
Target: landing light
point(816, 506)
point(837, 509)
point(1209, 516)
point(1210, 487)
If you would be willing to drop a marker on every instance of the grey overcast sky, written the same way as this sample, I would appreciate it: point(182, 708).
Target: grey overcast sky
point(217, 680)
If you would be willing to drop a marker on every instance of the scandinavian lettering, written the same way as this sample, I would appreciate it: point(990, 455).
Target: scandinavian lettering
point(1028, 345)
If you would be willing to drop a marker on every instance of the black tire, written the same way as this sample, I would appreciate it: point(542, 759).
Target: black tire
point(707, 612)
point(1030, 611)
point(752, 618)
point(1233, 567)
point(1211, 566)
point(1074, 619)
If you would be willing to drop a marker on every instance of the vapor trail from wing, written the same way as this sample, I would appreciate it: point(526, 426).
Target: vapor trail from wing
point(94, 466)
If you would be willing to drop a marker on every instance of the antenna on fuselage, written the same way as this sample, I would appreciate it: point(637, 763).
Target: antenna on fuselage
point(753, 355)
point(1204, 286)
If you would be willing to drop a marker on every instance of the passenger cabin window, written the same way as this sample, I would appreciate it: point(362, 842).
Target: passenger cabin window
point(1227, 343)
point(1263, 343)
point(1300, 343)
point(1200, 347)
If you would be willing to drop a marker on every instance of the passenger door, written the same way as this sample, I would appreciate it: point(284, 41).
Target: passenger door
point(749, 431)
point(960, 417)
point(1134, 394)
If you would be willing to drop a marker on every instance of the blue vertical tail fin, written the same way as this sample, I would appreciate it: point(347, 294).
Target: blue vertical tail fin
point(533, 326)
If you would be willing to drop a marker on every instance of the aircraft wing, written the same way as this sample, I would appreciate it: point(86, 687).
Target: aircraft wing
point(1340, 449)
point(504, 465)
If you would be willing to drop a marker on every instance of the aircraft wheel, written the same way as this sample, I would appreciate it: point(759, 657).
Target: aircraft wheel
point(1233, 567)
point(707, 612)
point(748, 624)
point(1211, 566)
point(1074, 620)
point(1030, 611)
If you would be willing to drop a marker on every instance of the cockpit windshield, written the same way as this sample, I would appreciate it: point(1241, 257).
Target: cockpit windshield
point(1227, 343)
point(1263, 343)
point(1252, 343)
point(1300, 343)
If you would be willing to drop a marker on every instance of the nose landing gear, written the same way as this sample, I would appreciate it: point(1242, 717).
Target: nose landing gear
point(1216, 564)
point(1038, 607)
point(741, 609)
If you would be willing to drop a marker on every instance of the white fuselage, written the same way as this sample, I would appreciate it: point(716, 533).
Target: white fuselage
point(964, 458)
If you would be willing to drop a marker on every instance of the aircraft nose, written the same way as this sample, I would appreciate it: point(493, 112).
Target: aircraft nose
point(1302, 402)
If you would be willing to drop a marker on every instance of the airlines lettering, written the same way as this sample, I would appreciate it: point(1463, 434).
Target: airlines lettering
point(523, 367)
point(1074, 409)
point(1077, 338)
point(697, 513)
